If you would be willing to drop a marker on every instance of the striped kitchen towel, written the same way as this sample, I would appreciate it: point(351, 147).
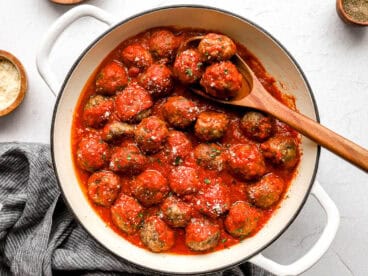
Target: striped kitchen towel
point(38, 235)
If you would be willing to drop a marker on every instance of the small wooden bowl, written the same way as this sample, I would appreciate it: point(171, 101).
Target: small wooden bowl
point(347, 18)
point(23, 82)
point(67, 2)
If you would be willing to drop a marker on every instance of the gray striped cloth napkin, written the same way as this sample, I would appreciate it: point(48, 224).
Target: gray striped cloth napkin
point(38, 235)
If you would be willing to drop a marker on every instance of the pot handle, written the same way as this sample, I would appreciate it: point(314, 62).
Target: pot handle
point(55, 31)
point(317, 250)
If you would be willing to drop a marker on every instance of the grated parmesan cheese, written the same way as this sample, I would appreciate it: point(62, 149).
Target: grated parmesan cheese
point(9, 83)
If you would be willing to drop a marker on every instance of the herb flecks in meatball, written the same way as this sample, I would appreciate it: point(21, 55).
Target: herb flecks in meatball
point(222, 80)
point(97, 111)
point(246, 161)
point(92, 153)
point(157, 80)
point(257, 126)
point(211, 126)
point(184, 180)
point(150, 187)
point(267, 191)
point(127, 214)
point(201, 234)
point(163, 44)
point(115, 130)
point(176, 212)
point(210, 156)
point(188, 66)
point(242, 219)
point(216, 47)
point(180, 112)
point(133, 103)
point(151, 134)
point(127, 159)
point(178, 146)
point(103, 187)
point(135, 55)
point(281, 151)
point(111, 78)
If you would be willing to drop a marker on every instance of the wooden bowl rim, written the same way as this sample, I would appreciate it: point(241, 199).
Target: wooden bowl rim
point(345, 17)
point(23, 82)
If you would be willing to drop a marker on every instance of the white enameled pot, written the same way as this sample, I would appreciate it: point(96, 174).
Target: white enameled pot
point(277, 62)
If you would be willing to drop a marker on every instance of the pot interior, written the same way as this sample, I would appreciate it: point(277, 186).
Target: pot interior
point(276, 61)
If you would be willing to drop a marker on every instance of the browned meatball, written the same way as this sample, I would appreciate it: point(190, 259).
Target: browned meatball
point(257, 126)
point(150, 187)
point(178, 146)
point(103, 187)
point(115, 130)
point(184, 180)
point(222, 80)
point(133, 103)
point(156, 235)
point(246, 161)
point(176, 213)
point(180, 112)
point(188, 66)
point(111, 78)
point(127, 159)
point(135, 55)
point(281, 151)
point(201, 234)
point(242, 219)
point(97, 111)
point(211, 125)
point(210, 156)
point(163, 44)
point(267, 191)
point(127, 214)
point(157, 80)
point(214, 199)
point(151, 134)
point(92, 153)
point(216, 47)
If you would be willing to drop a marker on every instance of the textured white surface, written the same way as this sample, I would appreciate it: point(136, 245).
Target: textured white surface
point(334, 58)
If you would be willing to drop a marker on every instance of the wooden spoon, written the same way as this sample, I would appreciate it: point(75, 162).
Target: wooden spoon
point(254, 95)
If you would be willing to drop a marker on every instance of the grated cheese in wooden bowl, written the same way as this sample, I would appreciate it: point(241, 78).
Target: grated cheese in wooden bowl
point(9, 83)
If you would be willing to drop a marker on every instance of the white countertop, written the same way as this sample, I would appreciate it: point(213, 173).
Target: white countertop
point(334, 58)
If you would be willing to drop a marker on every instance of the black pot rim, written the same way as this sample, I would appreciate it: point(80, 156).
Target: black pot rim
point(140, 266)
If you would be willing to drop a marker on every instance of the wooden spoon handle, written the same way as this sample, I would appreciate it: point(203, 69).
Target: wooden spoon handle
point(325, 137)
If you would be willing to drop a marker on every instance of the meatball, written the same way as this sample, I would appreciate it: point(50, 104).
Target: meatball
point(97, 111)
point(216, 47)
point(184, 180)
point(222, 80)
point(246, 161)
point(103, 187)
point(127, 159)
point(156, 235)
point(201, 234)
point(281, 151)
point(157, 80)
point(210, 156)
point(133, 104)
point(241, 220)
point(151, 134)
point(163, 44)
point(257, 126)
point(211, 125)
point(188, 66)
point(214, 199)
point(176, 213)
point(267, 191)
point(92, 153)
point(150, 187)
point(111, 78)
point(178, 146)
point(115, 130)
point(180, 112)
point(127, 214)
point(135, 55)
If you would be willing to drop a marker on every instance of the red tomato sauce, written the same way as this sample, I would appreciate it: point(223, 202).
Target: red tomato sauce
point(158, 161)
